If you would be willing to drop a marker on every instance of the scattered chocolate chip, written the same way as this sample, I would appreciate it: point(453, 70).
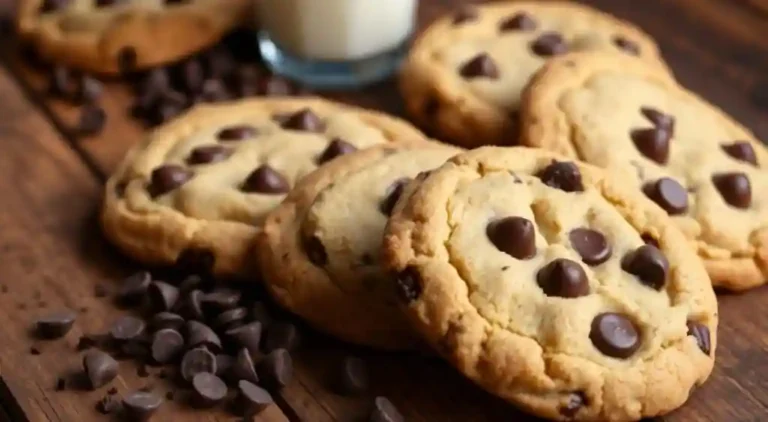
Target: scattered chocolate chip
point(237, 133)
point(481, 65)
point(231, 318)
point(648, 264)
point(86, 342)
point(163, 320)
point(167, 344)
point(627, 45)
point(224, 364)
point(735, 188)
point(127, 328)
point(659, 119)
point(190, 283)
point(247, 336)
point(563, 278)
point(650, 240)
point(199, 334)
point(99, 367)
point(108, 405)
point(614, 335)
point(282, 335)
point(276, 369)
point(591, 245)
point(520, 21)
point(193, 307)
point(167, 178)
point(668, 194)
point(409, 284)
point(56, 325)
point(208, 154)
point(221, 299)
point(89, 90)
point(549, 44)
point(653, 143)
point(393, 193)
point(515, 236)
point(465, 14)
point(384, 411)
point(195, 361)
point(126, 60)
point(210, 389)
point(315, 251)
point(741, 151)
point(141, 405)
point(162, 296)
point(700, 332)
point(192, 75)
point(562, 175)
point(61, 384)
point(575, 402)
point(92, 119)
point(242, 368)
point(134, 287)
point(336, 148)
point(304, 120)
point(213, 91)
point(254, 399)
point(266, 180)
point(59, 82)
point(34, 351)
point(273, 86)
point(353, 379)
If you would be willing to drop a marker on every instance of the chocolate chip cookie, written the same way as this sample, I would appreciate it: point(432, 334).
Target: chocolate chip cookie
point(465, 74)
point(201, 185)
point(553, 285)
point(319, 250)
point(694, 161)
point(107, 36)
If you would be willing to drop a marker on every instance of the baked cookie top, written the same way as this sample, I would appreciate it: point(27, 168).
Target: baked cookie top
point(693, 160)
point(319, 250)
point(480, 58)
point(540, 280)
point(217, 170)
point(101, 36)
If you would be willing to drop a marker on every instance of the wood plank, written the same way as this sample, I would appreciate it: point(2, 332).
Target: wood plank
point(53, 257)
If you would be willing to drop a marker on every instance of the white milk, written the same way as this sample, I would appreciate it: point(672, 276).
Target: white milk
point(337, 30)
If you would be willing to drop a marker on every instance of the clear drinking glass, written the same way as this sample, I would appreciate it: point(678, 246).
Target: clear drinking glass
point(335, 43)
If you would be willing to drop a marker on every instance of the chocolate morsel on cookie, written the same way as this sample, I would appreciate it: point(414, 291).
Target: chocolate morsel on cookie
point(266, 180)
point(614, 335)
point(648, 264)
point(659, 118)
point(481, 65)
point(409, 284)
point(520, 21)
point(208, 154)
point(562, 175)
point(549, 44)
point(167, 178)
point(515, 236)
point(700, 332)
point(563, 278)
point(303, 120)
point(735, 188)
point(741, 151)
point(336, 148)
point(315, 251)
point(393, 193)
point(627, 45)
point(653, 143)
point(591, 245)
point(237, 133)
point(668, 194)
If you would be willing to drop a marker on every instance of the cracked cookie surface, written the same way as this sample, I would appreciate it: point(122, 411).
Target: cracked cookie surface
point(205, 181)
point(698, 164)
point(98, 35)
point(465, 74)
point(553, 285)
point(319, 250)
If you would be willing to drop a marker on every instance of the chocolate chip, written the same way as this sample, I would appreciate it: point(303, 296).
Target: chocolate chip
point(385, 411)
point(213, 91)
point(481, 65)
point(409, 284)
point(575, 402)
point(515, 236)
point(248, 336)
point(53, 5)
point(336, 148)
point(61, 384)
point(221, 299)
point(127, 328)
point(242, 368)
point(562, 175)
point(141, 405)
point(659, 119)
point(59, 82)
point(34, 351)
point(735, 188)
point(668, 194)
point(276, 369)
point(108, 405)
point(650, 240)
point(393, 193)
point(99, 367)
point(266, 180)
point(223, 364)
point(199, 334)
point(56, 325)
point(260, 313)
point(210, 389)
point(196, 361)
point(253, 398)
point(126, 60)
point(465, 14)
point(353, 378)
point(563, 278)
point(648, 264)
point(627, 45)
point(520, 21)
point(653, 143)
point(549, 44)
point(282, 335)
point(208, 154)
point(591, 245)
point(91, 121)
point(273, 86)
point(315, 251)
point(190, 283)
point(304, 120)
point(86, 342)
point(169, 105)
point(218, 61)
point(89, 90)
point(615, 335)
point(741, 151)
point(163, 296)
point(167, 178)
point(192, 76)
point(193, 307)
point(153, 84)
point(231, 318)
point(700, 332)
point(167, 344)
point(237, 133)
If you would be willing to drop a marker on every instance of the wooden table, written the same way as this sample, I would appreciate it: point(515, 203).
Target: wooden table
point(52, 254)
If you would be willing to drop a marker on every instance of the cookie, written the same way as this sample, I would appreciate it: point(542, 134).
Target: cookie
point(698, 164)
point(199, 187)
point(540, 279)
point(109, 36)
point(319, 250)
point(465, 74)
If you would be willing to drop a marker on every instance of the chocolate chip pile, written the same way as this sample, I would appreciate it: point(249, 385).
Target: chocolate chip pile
point(217, 344)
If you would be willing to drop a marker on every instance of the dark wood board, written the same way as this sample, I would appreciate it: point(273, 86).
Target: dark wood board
point(51, 181)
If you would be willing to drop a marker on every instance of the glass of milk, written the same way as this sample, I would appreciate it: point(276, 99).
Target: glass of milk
point(335, 43)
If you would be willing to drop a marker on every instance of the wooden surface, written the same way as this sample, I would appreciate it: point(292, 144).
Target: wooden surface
point(52, 255)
